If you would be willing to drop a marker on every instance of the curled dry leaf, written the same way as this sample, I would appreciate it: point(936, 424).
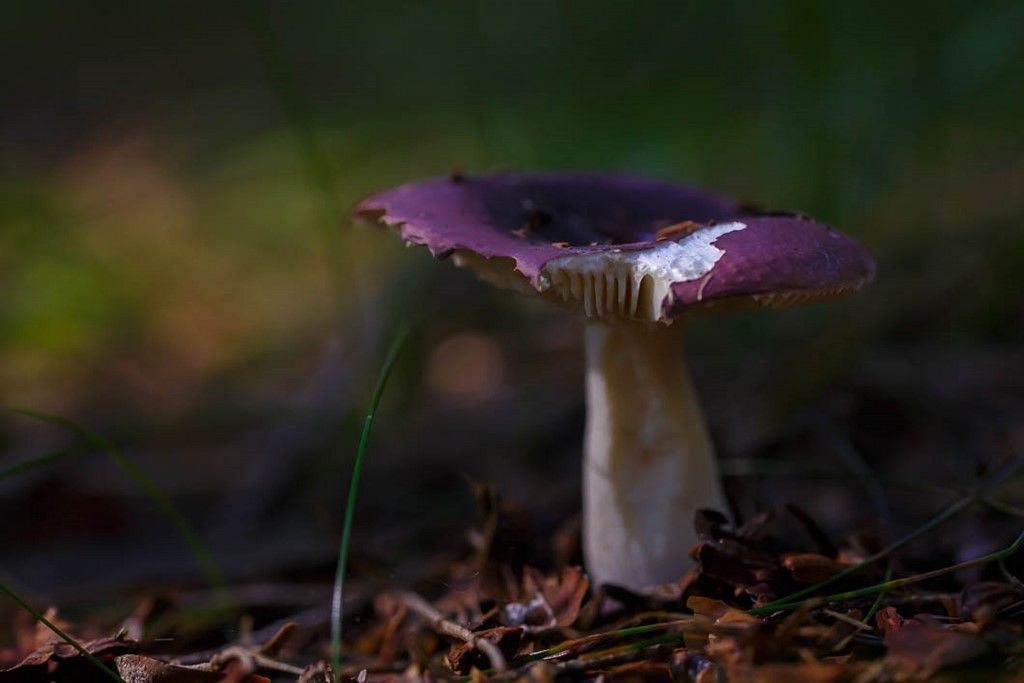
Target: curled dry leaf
point(736, 565)
point(888, 619)
point(811, 567)
point(719, 612)
point(556, 602)
point(60, 658)
point(140, 669)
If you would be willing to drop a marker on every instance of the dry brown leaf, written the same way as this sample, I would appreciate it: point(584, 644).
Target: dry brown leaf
point(462, 658)
point(921, 649)
point(140, 669)
point(811, 567)
point(719, 612)
point(60, 656)
point(888, 619)
point(563, 594)
point(716, 612)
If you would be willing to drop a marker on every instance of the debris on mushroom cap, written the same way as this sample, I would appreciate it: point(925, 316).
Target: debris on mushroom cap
point(618, 246)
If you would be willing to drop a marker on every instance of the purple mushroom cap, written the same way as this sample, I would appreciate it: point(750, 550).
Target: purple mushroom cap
point(779, 260)
point(532, 219)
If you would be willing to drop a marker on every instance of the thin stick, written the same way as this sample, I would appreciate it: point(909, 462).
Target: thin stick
point(353, 489)
point(897, 583)
point(846, 619)
point(450, 628)
point(250, 659)
point(93, 659)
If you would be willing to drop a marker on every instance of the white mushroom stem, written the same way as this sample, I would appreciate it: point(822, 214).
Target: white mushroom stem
point(648, 462)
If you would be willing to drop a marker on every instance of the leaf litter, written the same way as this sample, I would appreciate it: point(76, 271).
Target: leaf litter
point(500, 619)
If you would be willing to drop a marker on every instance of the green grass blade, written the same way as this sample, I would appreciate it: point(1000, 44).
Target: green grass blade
point(353, 489)
point(281, 77)
point(111, 674)
point(885, 586)
point(877, 604)
point(204, 558)
point(936, 521)
point(40, 461)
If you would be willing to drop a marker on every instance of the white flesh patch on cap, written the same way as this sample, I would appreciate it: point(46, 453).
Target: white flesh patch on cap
point(633, 284)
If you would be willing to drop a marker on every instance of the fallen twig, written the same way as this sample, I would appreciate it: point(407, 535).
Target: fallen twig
point(846, 619)
point(449, 628)
point(250, 661)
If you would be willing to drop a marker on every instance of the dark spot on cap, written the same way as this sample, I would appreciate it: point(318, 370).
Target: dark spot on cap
point(536, 219)
point(755, 209)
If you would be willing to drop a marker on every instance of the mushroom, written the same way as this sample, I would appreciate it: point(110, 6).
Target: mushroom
point(634, 256)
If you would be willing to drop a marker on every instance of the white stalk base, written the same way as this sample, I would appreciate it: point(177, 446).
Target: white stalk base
point(648, 463)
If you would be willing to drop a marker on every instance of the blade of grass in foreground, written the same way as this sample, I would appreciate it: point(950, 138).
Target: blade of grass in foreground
point(350, 505)
point(40, 461)
point(204, 558)
point(4, 588)
point(983, 490)
point(885, 586)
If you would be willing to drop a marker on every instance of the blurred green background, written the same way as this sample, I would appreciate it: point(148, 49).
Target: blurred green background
point(176, 270)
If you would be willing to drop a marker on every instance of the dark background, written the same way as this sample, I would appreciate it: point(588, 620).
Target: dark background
point(176, 275)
